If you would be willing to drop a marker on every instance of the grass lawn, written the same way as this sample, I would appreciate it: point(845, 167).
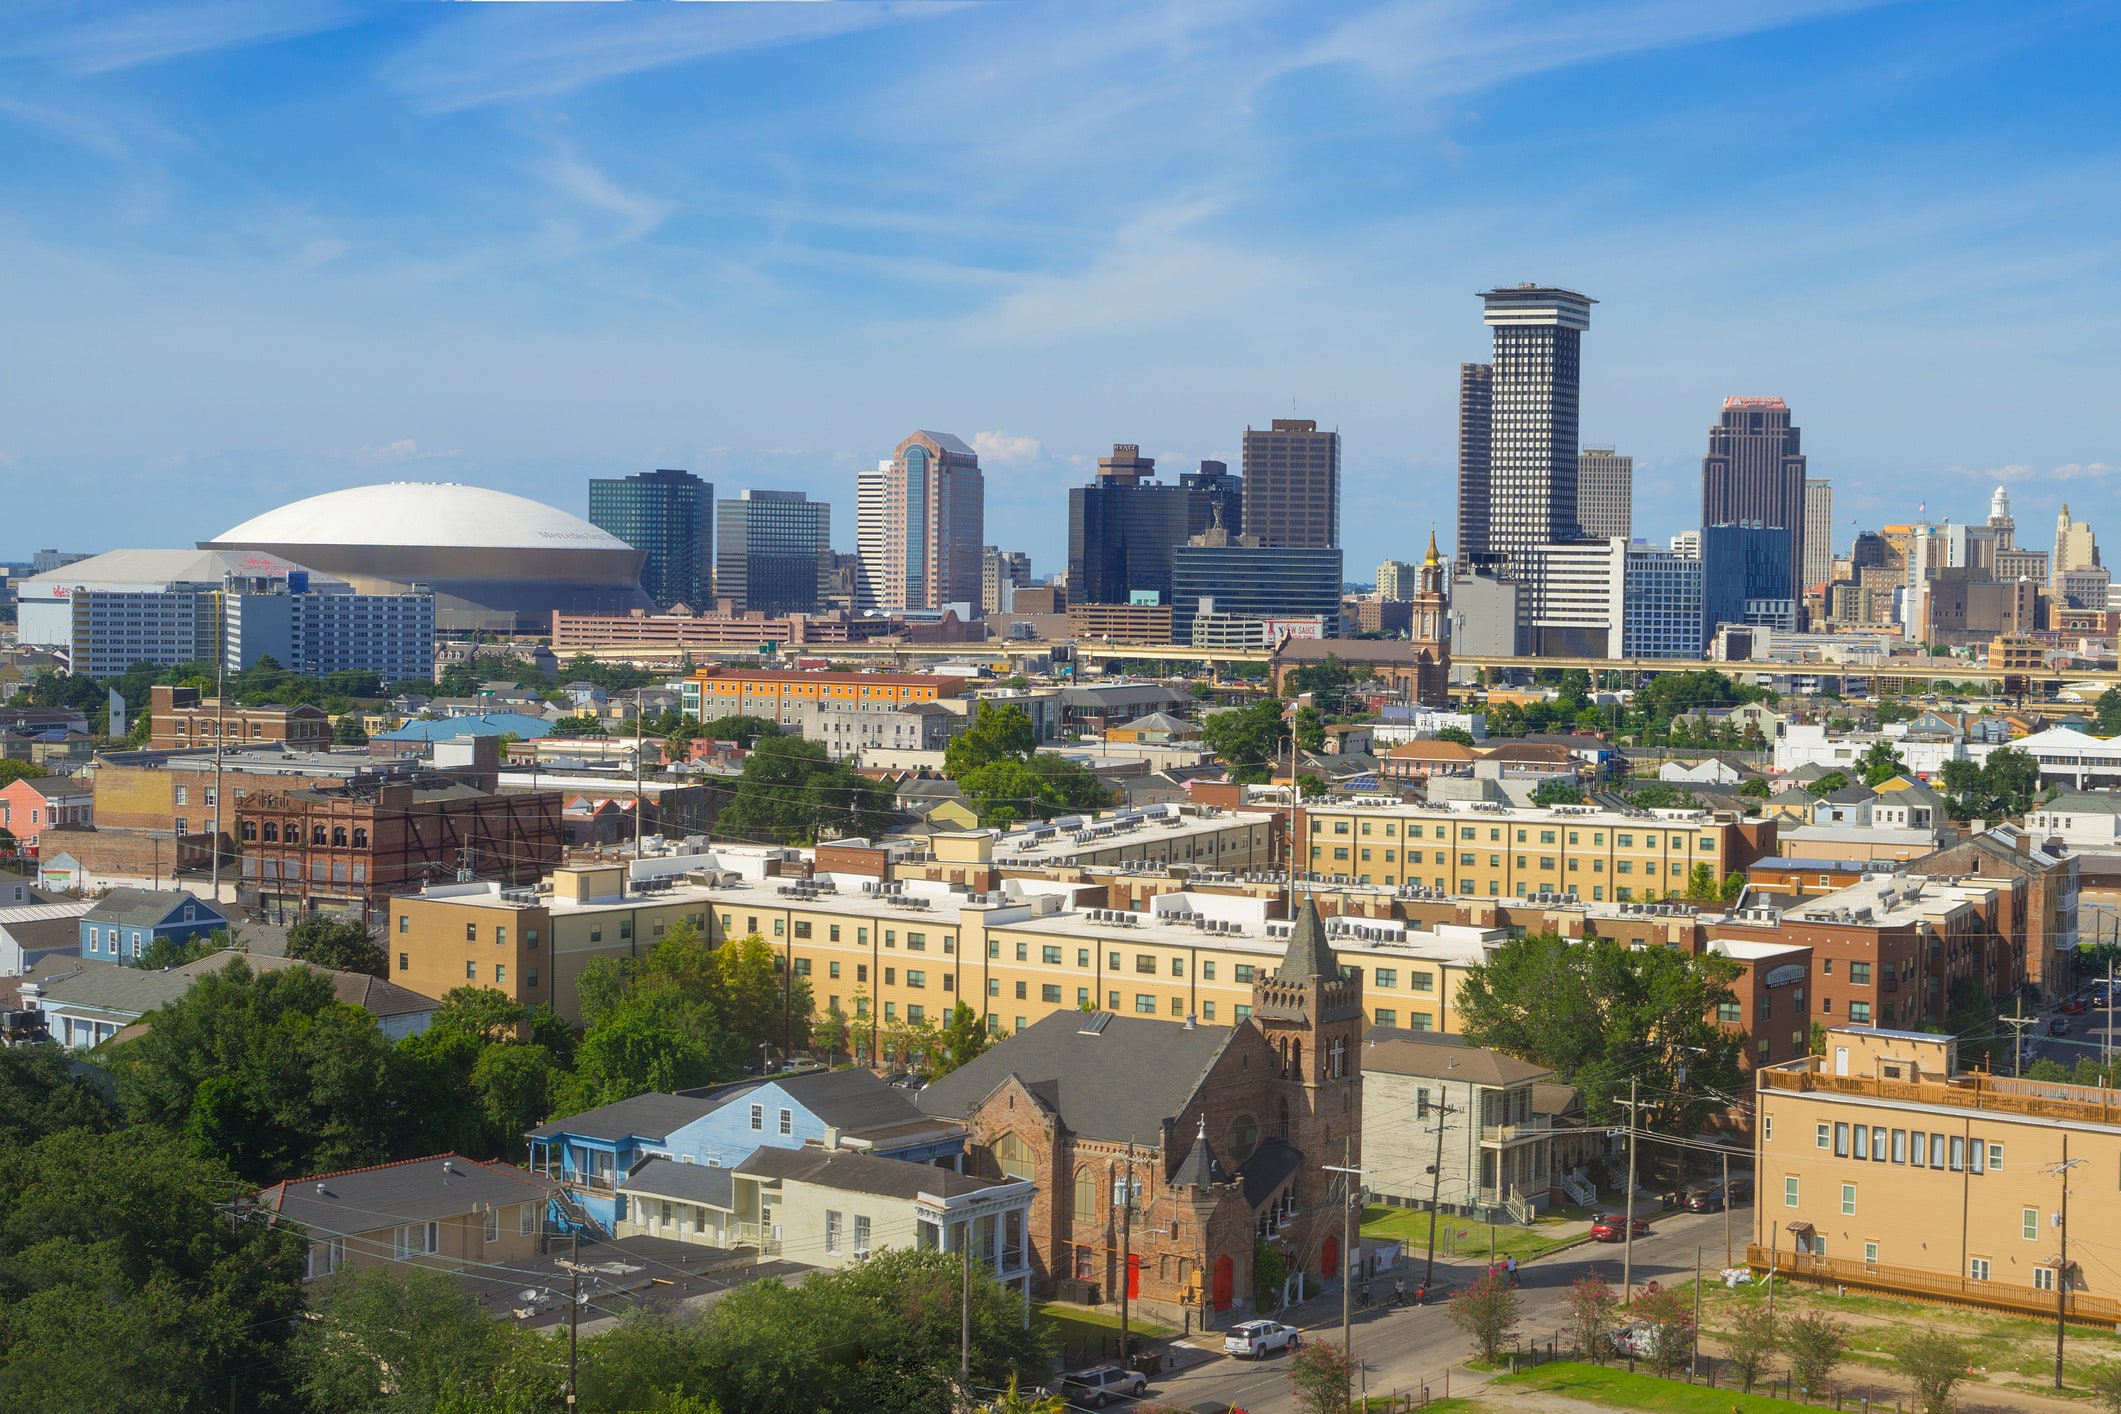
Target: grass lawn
point(1600, 1384)
point(1084, 1329)
point(1462, 1236)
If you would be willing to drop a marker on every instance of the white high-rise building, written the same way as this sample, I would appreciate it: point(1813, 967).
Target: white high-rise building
point(1605, 493)
point(1397, 580)
point(1818, 534)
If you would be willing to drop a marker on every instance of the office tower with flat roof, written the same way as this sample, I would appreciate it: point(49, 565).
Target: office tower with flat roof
point(1218, 498)
point(920, 521)
point(1754, 472)
point(1662, 615)
point(1818, 534)
point(1292, 485)
point(1605, 493)
point(1746, 576)
point(1476, 405)
point(773, 550)
point(1399, 580)
point(2075, 546)
point(670, 514)
point(1534, 379)
point(1000, 573)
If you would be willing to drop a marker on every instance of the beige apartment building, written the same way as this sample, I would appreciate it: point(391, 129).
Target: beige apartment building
point(1880, 1165)
point(532, 943)
point(1478, 849)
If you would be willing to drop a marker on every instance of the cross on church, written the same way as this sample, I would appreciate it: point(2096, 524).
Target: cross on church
point(1340, 1054)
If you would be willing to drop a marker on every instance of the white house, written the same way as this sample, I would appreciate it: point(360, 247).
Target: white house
point(2074, 758)
point(2080, 819)
point(1709, 771)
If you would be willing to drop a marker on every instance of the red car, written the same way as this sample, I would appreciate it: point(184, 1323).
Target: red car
point(2076, 1006)
point(1612, 1227)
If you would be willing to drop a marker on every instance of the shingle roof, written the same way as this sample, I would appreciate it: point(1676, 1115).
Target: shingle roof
point(378, 997)
point(415, 1190)
point(143, 908)
point(861, 1173)
point(1267, 1168)
point(852, 1101)
point(1397, 1052)
point(1119, 1081)
point(649, 1116)
point(689, 1183)
point(1308, 954)
point(123, 991)
point(1200, 1167)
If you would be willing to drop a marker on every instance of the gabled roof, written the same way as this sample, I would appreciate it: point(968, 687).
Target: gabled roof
point(416, 1190)
point(1200, 1168)
point(1106, 1076)
point(2080, 802)
point(861, 1173)
point(58, 787)
point(1267, 1168)
point(688, 1183)
point(853, 1101)
point(1308, 954)
point(1430, 1055)
point(146, 908)
point(1429, 749)
point(652, 1116)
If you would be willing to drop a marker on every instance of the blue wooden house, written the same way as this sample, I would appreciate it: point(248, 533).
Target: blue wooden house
point(590, 1154)
point(125, 922)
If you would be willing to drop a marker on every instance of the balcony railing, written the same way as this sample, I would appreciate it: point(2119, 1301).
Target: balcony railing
point(1538, 1127)
point(1913, 1281)
point(1971, 1092)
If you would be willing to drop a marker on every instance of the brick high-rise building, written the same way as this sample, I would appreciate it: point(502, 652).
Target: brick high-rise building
point(1292, 485)
point(1605, 493)
point(1527, 494)
point(920, 520)
point(670, 514)
point(1754, 472)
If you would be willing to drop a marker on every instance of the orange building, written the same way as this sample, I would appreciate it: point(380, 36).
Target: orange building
point(780, 696)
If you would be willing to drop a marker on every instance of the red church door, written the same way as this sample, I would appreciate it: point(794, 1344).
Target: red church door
point(1134, 1276)
point(1329, 1259)
point(1225, 1275)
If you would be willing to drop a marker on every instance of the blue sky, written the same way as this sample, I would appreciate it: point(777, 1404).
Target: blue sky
point(251, 251)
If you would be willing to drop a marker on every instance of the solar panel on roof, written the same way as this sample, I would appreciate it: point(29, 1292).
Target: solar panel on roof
point(1095, 1023)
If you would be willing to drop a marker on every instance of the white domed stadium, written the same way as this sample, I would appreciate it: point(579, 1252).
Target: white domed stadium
point(494, 561)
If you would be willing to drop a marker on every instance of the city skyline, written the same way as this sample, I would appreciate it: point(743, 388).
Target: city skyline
point(456, 212)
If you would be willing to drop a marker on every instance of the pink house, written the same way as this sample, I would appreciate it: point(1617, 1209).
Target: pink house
point(32, 805)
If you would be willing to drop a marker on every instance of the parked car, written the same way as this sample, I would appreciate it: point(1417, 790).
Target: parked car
point(2058, 1027)
point(1257, 1339)
point(1704, 1200)
point(1105, 1382)
point(2076, 1006)
point(1613, 1227)
point(1741, 1190)
point(1638, 1339)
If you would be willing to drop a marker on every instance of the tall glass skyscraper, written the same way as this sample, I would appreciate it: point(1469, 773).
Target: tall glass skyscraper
point(920, 521)
point(1754, 472)
point(1525, 493)
point(670, 514)
point(771, 551)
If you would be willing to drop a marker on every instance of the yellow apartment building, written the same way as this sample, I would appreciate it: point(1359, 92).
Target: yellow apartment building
point(1480, 850)
point(532, 943)
point(1880, 1166)
point(779, 695)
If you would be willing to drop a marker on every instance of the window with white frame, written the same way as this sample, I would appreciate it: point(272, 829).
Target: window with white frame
point(415, 1240)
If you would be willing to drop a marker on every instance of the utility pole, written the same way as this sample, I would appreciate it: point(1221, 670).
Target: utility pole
point(964, 1337)
point(2018, 1021)
point(2106, 1046)
point(574, 1310)
point(1627, 1233)
point(1727, 1215)
point(1696, 1360)
point(2061, 1171)
point(1126, 1253)
point(640, 746)
point(1443, 1110)
point(1774, 1240)
point(220, 746)
point(1351, 1261)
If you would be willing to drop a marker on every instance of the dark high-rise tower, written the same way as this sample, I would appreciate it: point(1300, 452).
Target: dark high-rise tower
point(1292, 485)
point(772, 551)
point(1476, 401)
point(1754, 472)
point(1121, 531)
point(670, 514)
point(1218, 499)
point(1534, 380)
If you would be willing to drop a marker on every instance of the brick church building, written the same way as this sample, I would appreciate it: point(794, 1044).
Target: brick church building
point(1220, 1136)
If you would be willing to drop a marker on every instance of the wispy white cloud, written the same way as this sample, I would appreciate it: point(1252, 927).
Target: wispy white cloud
point(111, 37)
point(1004, 447)
point(74, 127)
point(480, 55)
point(636, 215)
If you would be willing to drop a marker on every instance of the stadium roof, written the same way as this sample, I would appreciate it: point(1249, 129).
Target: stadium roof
point(422, 513)
point(158, 568)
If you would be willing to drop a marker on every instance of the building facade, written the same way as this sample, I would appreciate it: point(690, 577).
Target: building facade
point(1254, 582)
point(1453, 1125)
point(772, 549)
point(1745, 572)
point(1818, 535)
point(1605, 493)
point(390, 635)
point(781, 696)
point(1533, 392)
point(921, 523)
point(1122, 529)
point(1662, 615)
point(1754, 472)
point(179, 718)
point(1292, 485)
point(1476, 402)
point(669, 514)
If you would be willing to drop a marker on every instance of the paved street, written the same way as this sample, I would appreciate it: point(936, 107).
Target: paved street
point(1401, 1347)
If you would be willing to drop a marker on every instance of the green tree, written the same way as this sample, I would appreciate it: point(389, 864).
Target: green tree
point(44, 1090)
point(1046, 785)
point(484, 1013)
point(1669, 1313)
point(341, 944)
point(791, 790)
point(347, 731)
point(1247, 740)
point(1558, 790)
point(1455, 734)
point(1327, 677)
point(1592, 1308)
point(1000, 732)
point(175, 952)
point(1322, 1377)
point(124, 1285)
point(1814, 1343)
point(633, 1051)
point(268, 1072)
point(742, 728)
point(383, 1343)
point(1701, 883)
point(1881, 763)
point(579, 727)
point(964, 1037)
point(1755, 788)
point(12, 771)
point(830, 1032)
point(1827, 784)
point(1733, 887)
point(1487, 1310)
point(2106, 713)
point(1751, 1343)
point(1310, 729)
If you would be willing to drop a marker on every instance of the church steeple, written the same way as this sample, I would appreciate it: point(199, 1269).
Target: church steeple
point(1309, 954)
